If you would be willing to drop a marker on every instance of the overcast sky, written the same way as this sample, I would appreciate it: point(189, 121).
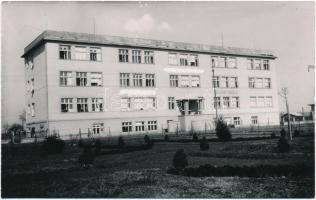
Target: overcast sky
point(286, 28)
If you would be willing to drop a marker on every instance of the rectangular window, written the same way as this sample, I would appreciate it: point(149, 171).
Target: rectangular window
point(64, 52)
point(81, 78)
point(152, 125)
point(233, 83)
point(80, 52)
point(95, 53)
point(172, 59)
point(193, 60)
point(222, 62)
point(224, 82)
point(66, 105)
point(138, 103)
point(217, 102)
point(125, 103)
point(258, 83)
point(214, 61)
point(251, 82)
point(200, 104)
point(126, 127)
point(136, 56)
point(124, 80)
point(65, 78)
point(33, 110)
point(195, 81)
point(137, 80)
point(216, 82)
point(234, 102)
point(257, 64)
point(173, 80)
point(268, 102)
point(225, 102)
point(183, 60)
point(97, 128)
point(32, 85)
point(254, 120)
point(149, 57)
point(266, 83)
point(123, 55)
point(82, 104)
point(253, 101)
point(97, 104)
point(28, 86)
point(232, 62)
point(150, 103)
point(96, 78)
point(249, 63)
point(171, 103)
point(139, 126)
point(150, 80)
point(28, 109)
point(260, 102)
point(184, 81)
point(266, 65)
point(237, 121)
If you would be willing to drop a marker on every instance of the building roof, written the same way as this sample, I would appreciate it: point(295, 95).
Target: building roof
point(62, 36)
point(294, 114)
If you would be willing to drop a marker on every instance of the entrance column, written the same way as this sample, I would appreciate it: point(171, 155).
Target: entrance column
point(186, 107)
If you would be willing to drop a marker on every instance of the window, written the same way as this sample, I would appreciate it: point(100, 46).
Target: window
point(184, 81)
point(236, 121)
point(257, 64)
point(137, 80)
point(258, 83)
point(171, 103)
point(150, 80)
point(125, 103)
point(152, 125)
point(33, 110)
point(95, 53)
point(268, 102)
point(253, 101)
point(150, 103)
point(200, 104)
point(126, 127)
point(260, 102)
point(124, 79)
point(66, 105)
point(136, 56)
point(82, 104)
point(217, 102)
point(266, 65)
point(251, 82)
point(232, 62)
point(32, 86)
point(138, 103)
point(139, 126)
point(214, 61)
point(224, 82)
point(222, 62)
point(233, 83)
point(31, 63)
point(123, 55)
point(28, 109)
point(28, 86)
point(96, 78)
point(149, 57)
point(193, 60)
point(80, 52)
point(266, 83)
point(173, 80)
point(234, 102)
point(195, 81)
point(216, 81)
point(97, 128)
point(249, 63)
point(254, 120)
point(183, 60)
point(64, 52)
point(81, 78)
point(97, 104)
point(172, 59)
point(225, 102)
point(65, 78)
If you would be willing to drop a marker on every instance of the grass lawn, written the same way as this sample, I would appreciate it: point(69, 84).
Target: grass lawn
point(27, 173)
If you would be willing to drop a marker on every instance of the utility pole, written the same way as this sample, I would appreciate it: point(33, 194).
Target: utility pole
point(215, 103)
point(283, 94)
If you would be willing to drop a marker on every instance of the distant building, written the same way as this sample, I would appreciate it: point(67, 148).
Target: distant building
point(312, 110)
point(119, 85)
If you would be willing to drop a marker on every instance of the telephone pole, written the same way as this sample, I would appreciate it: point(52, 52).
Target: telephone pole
point(283, 93)
point(213, 77)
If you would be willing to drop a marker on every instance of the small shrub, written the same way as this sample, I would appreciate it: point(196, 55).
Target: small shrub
point(80, 143)
point(195, 137)
point(97, 146)
point(53, 145)
point(222, 131)
point(150, 144)
point(204, 146)
point(283, 145)
point(86, 157)
point(146, 139)
point(166, 138)
point(121, 142)
point(296, 133)
point(180, 160)
point(283, 133)
point(273, 135)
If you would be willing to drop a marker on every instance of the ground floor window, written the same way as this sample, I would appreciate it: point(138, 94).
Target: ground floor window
point(237, 121)
point(152, 125)
point(126, 127)
point(254, 120)
point(139, 126)
point(97, 128)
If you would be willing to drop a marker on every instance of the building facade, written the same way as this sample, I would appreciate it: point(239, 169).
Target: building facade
point(115, 85)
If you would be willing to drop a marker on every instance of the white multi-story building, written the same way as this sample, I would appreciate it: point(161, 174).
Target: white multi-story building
point(128, 85)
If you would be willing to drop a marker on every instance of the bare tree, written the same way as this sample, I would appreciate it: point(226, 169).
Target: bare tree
point(22, 117)
point(283, 93)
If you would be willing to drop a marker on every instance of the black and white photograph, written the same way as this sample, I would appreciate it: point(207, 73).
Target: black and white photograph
point(158, 99)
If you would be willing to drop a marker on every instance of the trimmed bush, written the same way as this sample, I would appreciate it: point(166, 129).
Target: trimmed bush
point(166, 138)
point(86, 157)
point(121, 142)
point(204, 146)
point(195, 137)
point(283, 145)
point(97, 145)
point(180, 160)
point(222, 131)
point(53, 145)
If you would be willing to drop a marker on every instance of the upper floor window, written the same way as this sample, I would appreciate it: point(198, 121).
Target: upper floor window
point(124, 80)
point(152, 125)
point(214, 61)
point(82, 104)
point(81, 78)
point(64, 52)
point(257, 64)
point(195, 81)
point(216, 81)
point(123, 55)
point(127, 126)
point(260, 101)
point(96, 78)
point(222, 62)
point(32, 86)
point(233, 82)
point(226, 102)
point(80, 53)
point(253, 101)
point(251, 82)
point(259, 82)
point(65, 78)
point(193, 60)
point(149, 57)
point(266, 65)
point(223, 83)
point(125, 103)
point(184, 81)
point(172, 59)
point(217, 102)
point(150, 80)
point(183, 59)
point(139, 126)
point(95, 53)
point(97, 104)
point(268, 101)
point(137, 80)
point(66, 105)
point(250, 63)
point(171, 103)
point(234, 102)
point(28, 86)
point(136, 56)
point(33, 110)
point(173, 80)
point(232, 62)
point(28, 109)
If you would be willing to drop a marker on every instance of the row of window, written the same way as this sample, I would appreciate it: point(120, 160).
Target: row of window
point(82, 78)
point(139, 126)
point(259, 82)
point(67, 104)
point(225, 82)
point(261, 101)
point(138, 103)
point(79, 53)
point(224, 62)
point(184, 81)
point(226, 102)
point(138, 56)
point(183, 59)
point(258, 64)
point(137, 80)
